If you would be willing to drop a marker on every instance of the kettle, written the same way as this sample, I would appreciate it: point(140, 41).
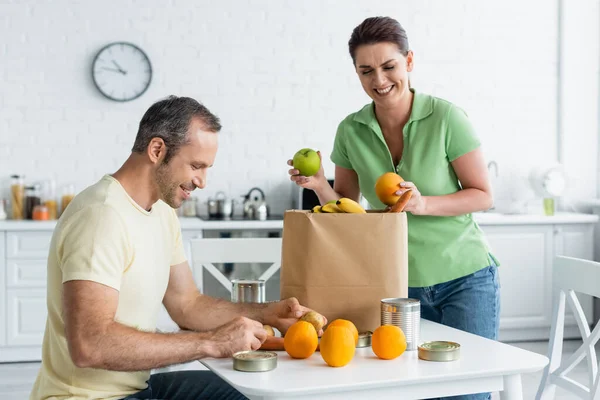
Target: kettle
point(255, 207)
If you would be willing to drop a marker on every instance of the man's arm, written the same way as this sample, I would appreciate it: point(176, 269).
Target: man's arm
point(96, 340)
point(194, 311)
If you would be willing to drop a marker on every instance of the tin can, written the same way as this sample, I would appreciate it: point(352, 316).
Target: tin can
point(254, 361)
point(404, 313)
point(364, 339)
point(247, 291)
point(439, 351)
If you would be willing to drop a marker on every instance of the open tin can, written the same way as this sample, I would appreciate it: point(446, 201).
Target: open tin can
point(364, 339)
point(439, 351)
point(254, 361)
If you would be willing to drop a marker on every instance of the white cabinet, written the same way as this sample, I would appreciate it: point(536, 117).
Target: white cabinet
point(526, 254)
point(23, 309)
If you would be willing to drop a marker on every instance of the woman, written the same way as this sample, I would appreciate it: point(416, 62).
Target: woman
point(432, 145)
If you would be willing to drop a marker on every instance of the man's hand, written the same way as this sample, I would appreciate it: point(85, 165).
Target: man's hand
point(282, 314)
point(239, 334)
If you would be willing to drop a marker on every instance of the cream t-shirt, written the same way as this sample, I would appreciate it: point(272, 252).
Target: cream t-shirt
point(106, 237)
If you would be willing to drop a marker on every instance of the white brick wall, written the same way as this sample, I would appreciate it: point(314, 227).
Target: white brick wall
point(277, 73)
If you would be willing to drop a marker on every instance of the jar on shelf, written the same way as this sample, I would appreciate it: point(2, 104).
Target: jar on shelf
point(17, 196)
point(40, 213)
point(49, 199)
point(189, 207)
point(32, 199)
point(68, 193)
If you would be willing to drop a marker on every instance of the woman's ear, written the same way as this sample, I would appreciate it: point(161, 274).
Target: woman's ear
point(409, 61)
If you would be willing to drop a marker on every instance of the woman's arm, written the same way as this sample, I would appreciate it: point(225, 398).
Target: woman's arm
point(476, 193)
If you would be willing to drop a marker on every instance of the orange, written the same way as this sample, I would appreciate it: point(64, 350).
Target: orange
point(347, 324)
point(388, 342)
point(337, 346)
point(301, 340)
point(386, 187)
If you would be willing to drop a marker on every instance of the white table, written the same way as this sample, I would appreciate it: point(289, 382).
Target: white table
point(484, 366)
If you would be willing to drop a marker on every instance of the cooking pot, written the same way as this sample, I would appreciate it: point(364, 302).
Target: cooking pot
point(220, 206)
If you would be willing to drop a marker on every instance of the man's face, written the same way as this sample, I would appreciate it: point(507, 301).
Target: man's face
point(187, 169)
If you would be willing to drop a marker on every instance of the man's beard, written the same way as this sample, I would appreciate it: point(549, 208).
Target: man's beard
point(167, 189)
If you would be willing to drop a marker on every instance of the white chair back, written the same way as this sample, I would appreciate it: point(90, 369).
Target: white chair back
point(572, 275)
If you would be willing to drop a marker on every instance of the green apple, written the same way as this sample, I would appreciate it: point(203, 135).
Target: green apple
point(307, 161)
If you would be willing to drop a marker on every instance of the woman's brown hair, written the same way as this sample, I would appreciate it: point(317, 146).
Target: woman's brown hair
point(377, 30)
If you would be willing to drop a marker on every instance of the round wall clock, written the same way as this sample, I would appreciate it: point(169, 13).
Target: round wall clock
point(122, 71)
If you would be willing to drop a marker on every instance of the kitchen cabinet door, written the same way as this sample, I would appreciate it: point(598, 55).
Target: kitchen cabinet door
point(26, 317)
point(2, 289)
point(525, 255)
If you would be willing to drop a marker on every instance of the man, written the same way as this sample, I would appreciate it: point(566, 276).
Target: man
point(116, 255)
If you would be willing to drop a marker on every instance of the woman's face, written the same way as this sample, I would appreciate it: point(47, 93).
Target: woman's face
point(383, 72)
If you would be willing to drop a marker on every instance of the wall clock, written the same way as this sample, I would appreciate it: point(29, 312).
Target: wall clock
point(121, 71)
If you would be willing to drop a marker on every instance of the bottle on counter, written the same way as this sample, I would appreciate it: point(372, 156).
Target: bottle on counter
point(49, 199)
point(17, 196)
point(68, 194)
point(3, 214)
point(32, 199)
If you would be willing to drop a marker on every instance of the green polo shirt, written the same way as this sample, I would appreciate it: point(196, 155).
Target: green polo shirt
point(439, 248)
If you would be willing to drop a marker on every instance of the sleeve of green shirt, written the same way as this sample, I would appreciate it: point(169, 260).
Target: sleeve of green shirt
point(339, 155)
point(460, 134)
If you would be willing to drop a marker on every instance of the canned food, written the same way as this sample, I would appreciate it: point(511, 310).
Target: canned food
point(247, 291)
point(254, 361)
point(364, 339)
point(404, 313)
point(439, 351)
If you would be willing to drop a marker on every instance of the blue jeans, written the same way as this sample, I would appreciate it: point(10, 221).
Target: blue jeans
point(187, 385)
point(470, 303)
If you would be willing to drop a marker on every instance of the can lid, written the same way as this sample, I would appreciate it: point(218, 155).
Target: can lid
point(364, 339)
point(439, 350)
point(403, 303)
point(254, 360)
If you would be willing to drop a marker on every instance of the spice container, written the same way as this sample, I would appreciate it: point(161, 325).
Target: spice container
point(17, 197)
point(32, 199)
point(404, 313)
point(67, 196)
point(254, 361)
point(189, 207)
point(40, 213)
point(439, 351)
point(49, 199)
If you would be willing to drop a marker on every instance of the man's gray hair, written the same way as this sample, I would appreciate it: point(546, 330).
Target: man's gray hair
point(169, 119)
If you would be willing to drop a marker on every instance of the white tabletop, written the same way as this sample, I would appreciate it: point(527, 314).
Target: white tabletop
point(480, 361)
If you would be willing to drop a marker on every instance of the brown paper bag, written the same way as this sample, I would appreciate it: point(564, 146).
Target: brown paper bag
point(342, 265)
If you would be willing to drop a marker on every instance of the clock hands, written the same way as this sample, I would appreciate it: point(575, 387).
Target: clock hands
point(121, 70)
point(112, 69)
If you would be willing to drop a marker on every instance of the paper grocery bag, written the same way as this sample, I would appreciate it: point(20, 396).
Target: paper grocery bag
point(342, 265)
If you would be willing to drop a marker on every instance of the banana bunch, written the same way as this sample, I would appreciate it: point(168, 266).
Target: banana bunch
point(343, 205)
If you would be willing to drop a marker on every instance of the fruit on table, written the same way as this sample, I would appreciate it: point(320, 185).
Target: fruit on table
point(337, 345)
point(388, 342)
point(402, 201)
point(314, 318)
point(386, 187)
point(301, 340)
point(307, 162)
point(316, 209)
point(272, 343)
point(347, 324)
point(350, 206)
point(269, 329)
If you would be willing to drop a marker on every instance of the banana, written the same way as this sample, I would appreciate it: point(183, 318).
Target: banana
point(350, 206)
point(317, 209)
point(331, 208)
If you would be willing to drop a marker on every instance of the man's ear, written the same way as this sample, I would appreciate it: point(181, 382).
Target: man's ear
point(157, 150)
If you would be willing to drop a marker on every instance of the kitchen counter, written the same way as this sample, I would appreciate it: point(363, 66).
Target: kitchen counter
point(187, 223)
